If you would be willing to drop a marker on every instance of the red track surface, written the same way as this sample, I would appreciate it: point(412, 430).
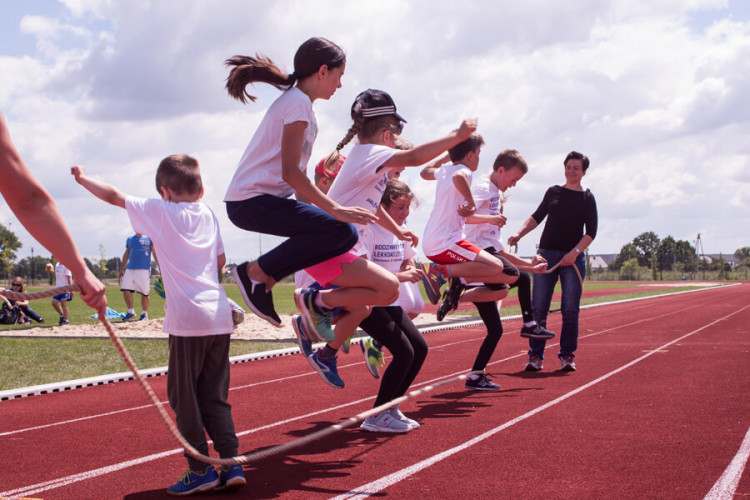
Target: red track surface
point(659, 407)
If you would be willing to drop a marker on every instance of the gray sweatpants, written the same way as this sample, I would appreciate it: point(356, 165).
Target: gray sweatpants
point(198, 389)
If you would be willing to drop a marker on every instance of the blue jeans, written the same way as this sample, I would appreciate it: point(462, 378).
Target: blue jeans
point(313, 235)
point(544, 287)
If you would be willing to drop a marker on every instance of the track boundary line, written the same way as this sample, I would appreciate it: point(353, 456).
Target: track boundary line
point(378, 485)
point(726, 485)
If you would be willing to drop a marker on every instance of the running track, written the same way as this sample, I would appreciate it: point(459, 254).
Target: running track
point(659, 408)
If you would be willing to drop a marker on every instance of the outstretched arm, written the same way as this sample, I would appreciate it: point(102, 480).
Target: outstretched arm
point(37, 211)
point(101, 190)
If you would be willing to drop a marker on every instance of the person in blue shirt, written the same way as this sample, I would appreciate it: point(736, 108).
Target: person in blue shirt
point(135, 273)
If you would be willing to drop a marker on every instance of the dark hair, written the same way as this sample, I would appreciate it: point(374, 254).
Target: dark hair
point(510, 158)
point(395, 189)
point(180, 173)
point(310, 56)
point(365, 128)
point(460, 150)
point(575, 155)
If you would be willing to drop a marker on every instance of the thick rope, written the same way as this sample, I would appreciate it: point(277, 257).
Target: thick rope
point(189, 449)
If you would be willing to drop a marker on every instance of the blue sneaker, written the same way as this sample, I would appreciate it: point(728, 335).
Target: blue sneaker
point(231, 478)
point(326, 368)
point(191, 482)
point(303, 339)
point(373, 355)
point(318, 322)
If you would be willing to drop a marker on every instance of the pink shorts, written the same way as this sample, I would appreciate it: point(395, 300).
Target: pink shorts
point(329, 270)
point(463, 251)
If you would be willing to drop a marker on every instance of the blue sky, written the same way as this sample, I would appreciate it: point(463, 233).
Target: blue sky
point(654, 92)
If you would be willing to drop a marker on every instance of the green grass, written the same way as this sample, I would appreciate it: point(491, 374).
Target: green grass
point(34, 361)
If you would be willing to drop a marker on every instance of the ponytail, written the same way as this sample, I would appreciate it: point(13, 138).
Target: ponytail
point(248, 70)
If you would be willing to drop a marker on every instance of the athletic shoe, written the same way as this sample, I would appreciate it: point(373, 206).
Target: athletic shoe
point(481, 383)
point(568, 365)
point(432, 280)
point(63, 322)
point(144, 315)
point(536, 332)
point(257, 298)
point(384, 422)
point(450, 298)
point(326, 368)
point(128, 316)
point(396, 413)
point(191, 482)
point(231, 478)
point(238, 313)
point(373, 356)
point(303, 339)
point(534, 364)
point(347, 345)
point(318, 321)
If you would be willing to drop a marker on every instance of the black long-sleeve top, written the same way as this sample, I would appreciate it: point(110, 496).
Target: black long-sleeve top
point(569, 213)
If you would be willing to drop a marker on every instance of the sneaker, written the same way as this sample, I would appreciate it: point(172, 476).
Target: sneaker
point(450, 298)
point(432, 280)
point(536, 332)
point(396, 413)
point(481, 383)
point(238, 313)
point(257, 298)
point(347, 345)
point(128, 316)
point(384, 422)
point(63, 322)
point(326, 368)
point(144, 315)
point(191, 482)
point(231, 477)
point(534, 364)
point(373, 356)
point(318, 322)
point(303, 339)
point(568, 365)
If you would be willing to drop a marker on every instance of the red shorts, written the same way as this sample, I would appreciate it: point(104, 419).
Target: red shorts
point(329, 270)
point(463, 251)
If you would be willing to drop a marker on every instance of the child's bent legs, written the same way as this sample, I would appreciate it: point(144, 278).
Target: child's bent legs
point(198, 388)
point(484, 267)
point(346, 323)
point(313, 235)
point(363, 283)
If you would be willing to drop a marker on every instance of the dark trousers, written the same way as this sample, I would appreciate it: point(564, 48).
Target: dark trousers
point(313, 235)
point(392, 327)
point(198, 389)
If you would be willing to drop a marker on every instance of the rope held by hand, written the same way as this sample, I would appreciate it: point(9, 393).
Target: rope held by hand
point(172, 428)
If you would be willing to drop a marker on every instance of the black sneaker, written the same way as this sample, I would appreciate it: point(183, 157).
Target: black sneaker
point(450, 298)
point(482, 383)
point(536, 332)
point(257, 298)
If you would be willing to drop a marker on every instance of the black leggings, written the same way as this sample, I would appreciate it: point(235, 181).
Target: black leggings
point(392, 327)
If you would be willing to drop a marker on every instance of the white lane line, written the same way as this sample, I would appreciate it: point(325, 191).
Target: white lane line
point(378, 485)
point(726, 486)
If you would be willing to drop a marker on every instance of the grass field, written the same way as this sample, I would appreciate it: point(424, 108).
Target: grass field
point(34, 361)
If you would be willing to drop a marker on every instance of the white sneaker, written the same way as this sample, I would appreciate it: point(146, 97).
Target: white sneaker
point(384, 422)
point(396, 413)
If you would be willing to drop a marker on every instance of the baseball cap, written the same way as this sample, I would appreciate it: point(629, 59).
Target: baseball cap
point(331, 173)
point(374, 102)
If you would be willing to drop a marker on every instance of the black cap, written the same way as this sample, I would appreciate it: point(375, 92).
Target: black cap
point(372, 103)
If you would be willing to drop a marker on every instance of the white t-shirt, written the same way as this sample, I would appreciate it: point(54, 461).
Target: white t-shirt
point(445, 227)
point(383, 248)
point(61, 275)
point(359, 182)
point(188, 242)
point(259, 170)
point(487, 199)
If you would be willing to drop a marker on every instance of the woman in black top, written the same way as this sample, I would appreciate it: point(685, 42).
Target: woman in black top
point(570, 228)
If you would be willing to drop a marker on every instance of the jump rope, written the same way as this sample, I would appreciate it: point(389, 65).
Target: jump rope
point(172, 428)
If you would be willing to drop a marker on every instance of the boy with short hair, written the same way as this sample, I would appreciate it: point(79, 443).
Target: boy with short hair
point(198, 319)
point(63, 277)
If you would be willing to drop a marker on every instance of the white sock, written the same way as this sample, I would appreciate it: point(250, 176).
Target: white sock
point(131, 311)
point(530, 323)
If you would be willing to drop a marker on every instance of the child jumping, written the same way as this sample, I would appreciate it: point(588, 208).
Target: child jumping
point(273, 167)
point(198, 320)
point(361, 183)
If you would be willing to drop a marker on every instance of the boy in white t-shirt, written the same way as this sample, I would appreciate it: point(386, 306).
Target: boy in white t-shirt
point(186, 234)
point(63, 277)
